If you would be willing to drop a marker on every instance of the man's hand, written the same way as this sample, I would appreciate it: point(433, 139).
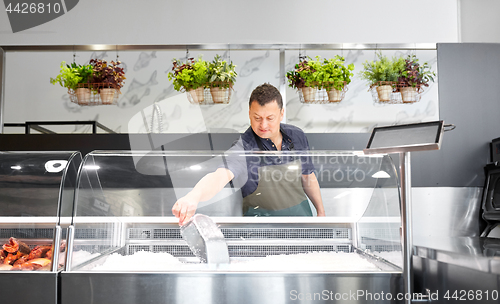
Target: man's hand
point(204, 190)
point(184, 209)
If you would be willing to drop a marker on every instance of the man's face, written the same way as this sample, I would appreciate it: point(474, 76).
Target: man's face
point(265, 120)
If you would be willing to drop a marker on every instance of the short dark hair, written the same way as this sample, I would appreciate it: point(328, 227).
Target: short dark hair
point(266, 93)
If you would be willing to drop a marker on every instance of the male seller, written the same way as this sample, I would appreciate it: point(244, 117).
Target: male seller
point(275, 185)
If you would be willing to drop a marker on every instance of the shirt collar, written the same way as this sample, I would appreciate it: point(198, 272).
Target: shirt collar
point(286, 142)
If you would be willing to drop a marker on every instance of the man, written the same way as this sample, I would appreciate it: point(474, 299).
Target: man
point(263, 194)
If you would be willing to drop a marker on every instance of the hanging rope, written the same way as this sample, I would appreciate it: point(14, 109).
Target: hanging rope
point(301, 55)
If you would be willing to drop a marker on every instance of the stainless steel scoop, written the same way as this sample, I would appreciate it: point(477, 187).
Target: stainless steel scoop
point(205, 240)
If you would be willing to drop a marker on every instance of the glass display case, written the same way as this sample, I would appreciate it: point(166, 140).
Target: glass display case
point(36, 206)
point(125, 245)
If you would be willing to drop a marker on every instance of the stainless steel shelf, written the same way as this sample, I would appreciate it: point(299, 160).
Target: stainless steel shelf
point(144, 47)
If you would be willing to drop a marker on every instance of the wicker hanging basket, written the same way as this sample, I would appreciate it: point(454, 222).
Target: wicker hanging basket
point(313, 95)
point(196, 96)
point(94, 94)
point(410, 94)
point(385, 92)
point(390, 92)
point(213, 93)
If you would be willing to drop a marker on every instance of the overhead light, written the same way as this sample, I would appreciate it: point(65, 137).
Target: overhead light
point(91, 167)
point(293, 167)
point(195, 167)
point(16, 167)
point(381, 174)
point(54, 166)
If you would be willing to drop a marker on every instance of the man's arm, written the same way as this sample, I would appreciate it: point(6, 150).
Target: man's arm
point(311, 188)
point(205, 189)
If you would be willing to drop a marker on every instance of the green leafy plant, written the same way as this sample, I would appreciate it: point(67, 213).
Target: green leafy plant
point(71, 75)
point(383, 69)
point(415, 74)
point(84, 71)
point(221, 74)
point(334, 74)
point(189, 75)
point(108, 73)
point(306, 73)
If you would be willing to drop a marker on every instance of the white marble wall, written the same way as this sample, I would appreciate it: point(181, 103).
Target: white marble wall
point(147, 83)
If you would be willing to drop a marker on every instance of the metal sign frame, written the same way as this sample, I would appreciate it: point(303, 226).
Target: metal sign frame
point(405, 183)
point(398, 148)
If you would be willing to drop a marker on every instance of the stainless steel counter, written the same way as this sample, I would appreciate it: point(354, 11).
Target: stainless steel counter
point(458, 269)
point(221, 288)
point(481, 254)
point(249, 240)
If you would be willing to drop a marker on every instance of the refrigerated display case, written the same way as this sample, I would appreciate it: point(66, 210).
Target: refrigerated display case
point(126, 247)
point(36, 206)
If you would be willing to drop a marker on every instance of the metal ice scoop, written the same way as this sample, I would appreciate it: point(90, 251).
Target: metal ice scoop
point(205, 240)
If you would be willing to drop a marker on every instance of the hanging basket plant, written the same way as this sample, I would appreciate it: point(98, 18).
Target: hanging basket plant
point(205, 82)
point(382, 76)
point(414, 77)
point(190, 77)
point(72, 76)
point(221, 79)
point(321, 81)
point(97, 83)
point(107, 80)
point(334, 77)
point(304, 78)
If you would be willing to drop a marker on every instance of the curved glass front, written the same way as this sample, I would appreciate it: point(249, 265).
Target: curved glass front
point(36, 204)
point(124, 201)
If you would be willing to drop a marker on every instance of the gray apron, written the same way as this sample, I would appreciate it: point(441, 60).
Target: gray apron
point(279, 192)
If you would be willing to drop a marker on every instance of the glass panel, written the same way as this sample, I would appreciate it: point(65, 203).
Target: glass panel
point(379, 227)
point(124, 207)
point(36, 202)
